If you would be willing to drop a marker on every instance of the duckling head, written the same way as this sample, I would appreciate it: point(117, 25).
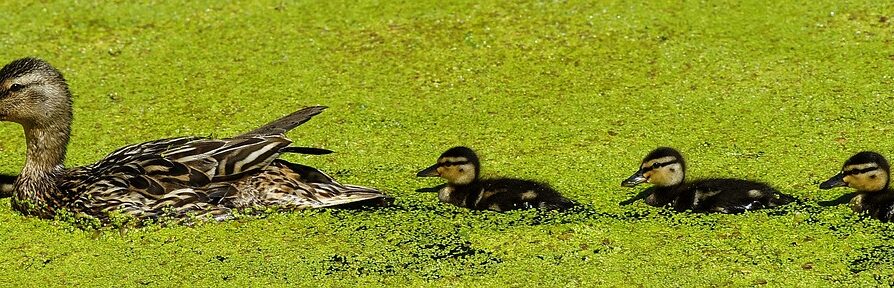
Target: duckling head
point(33, 93)
point(458, 165)
point(663, 167)
point(865, 171)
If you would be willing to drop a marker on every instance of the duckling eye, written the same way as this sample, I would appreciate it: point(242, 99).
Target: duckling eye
point(16, 87)
point(655, 165)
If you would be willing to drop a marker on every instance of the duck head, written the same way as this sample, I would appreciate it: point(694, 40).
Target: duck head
point(662, 167)
point(34, 94)
point(865, 172)
point(458, 165)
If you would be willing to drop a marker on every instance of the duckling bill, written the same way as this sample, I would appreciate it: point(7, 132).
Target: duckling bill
point(665, 169)
point(869, 174)
point(460, 167)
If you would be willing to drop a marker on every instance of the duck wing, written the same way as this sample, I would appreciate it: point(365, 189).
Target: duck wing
point(144, 178)
point(294, 186)
point(286, 123)
point(196, 161)
point(203, 176)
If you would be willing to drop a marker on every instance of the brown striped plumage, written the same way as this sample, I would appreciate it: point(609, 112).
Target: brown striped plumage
point(169, 177)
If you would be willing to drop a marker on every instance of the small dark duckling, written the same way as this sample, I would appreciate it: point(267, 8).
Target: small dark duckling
point(460, 167)
point(869, 174)
point(7, 185)
point(665, 169)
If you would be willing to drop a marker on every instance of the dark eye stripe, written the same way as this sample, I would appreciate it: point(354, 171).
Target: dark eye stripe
point(451, 163)
point(659, 165)
point(860, 171)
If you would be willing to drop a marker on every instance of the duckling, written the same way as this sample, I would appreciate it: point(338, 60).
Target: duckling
point(176, 177)
point(666, 170)
point(6, 185)
point(869, 174)
point(461, 168)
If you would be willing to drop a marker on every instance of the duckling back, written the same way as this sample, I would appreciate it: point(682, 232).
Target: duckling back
point(504, 194)
point(876, 205)
point(727, 196)
point(510, 194)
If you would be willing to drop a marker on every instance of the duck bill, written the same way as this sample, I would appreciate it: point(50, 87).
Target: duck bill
point(636, 179)
point(835, 181)
point(431, 171)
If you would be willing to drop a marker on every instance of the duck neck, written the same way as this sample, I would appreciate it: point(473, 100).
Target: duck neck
point(660, 196)
point(35, 191)
point(462, 195)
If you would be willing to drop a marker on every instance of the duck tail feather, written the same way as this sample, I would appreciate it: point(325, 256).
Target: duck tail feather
point(286, 123)
point(306, 150)
point(351, 196)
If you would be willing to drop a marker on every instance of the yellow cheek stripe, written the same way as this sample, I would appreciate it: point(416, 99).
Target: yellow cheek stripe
point(861, 166)
point(453, 159)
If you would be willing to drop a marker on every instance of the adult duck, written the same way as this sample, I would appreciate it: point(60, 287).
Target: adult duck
point(175, 177)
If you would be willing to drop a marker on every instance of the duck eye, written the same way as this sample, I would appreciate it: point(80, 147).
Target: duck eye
point(16, 87)
point(655, 165)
